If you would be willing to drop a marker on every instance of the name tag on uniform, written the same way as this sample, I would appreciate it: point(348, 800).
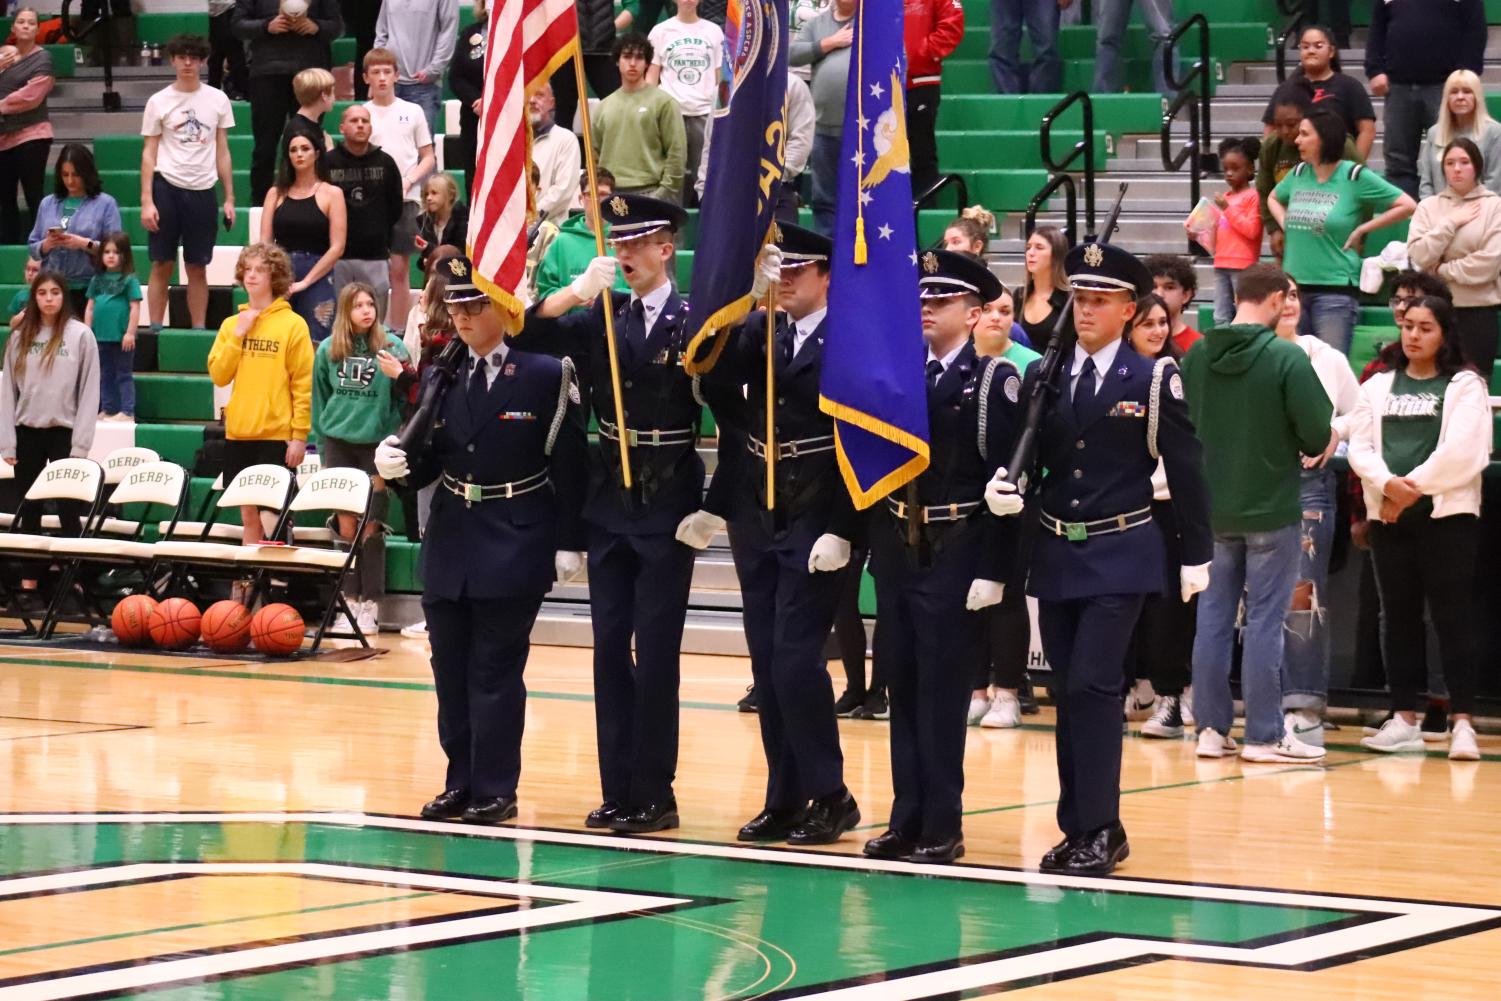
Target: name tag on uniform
point(1128, 409)
point(517, 415)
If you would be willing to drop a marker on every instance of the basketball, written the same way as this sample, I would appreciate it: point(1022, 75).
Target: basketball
point(226, 626)
point(174, 624)
point(277, 630)
point(131, 619)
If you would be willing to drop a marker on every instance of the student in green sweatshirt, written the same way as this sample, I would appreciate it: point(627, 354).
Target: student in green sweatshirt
point(1258, 407)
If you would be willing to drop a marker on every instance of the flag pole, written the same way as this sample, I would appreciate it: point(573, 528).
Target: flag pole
point(771, 398)
point(599, 251)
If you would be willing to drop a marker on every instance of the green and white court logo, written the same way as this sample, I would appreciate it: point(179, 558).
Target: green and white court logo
point(278, 906)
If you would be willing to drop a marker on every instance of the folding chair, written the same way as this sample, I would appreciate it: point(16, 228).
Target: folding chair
point(116, 464)
point(205, 524)
point(303, 534)
point(264, 486)
point(23, 553)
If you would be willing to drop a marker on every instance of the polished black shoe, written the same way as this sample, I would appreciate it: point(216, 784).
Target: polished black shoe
point(771, 825)
point(1096, 853)
point(938, 852)
point(447, 805)
point(848, 703)
point(875, 706)
point(1027, 697)
point(1055, 856)
point(601, 816)
point(651, 817)
point(497, 810)
point(890, 845)
point(748, 703)
point(827, 821)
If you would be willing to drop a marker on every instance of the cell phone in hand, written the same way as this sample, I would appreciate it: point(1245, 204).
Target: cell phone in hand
point(227, 223)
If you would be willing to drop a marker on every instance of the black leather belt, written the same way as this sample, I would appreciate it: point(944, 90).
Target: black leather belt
point(472, 492)
point(1078, 531)
point(791, 449)
point(650, 439)
point(935, 513)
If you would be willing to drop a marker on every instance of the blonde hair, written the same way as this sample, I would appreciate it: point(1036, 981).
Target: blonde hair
point(311, 84)
point(1447, 129)
point(342, 339)
point(450, 189)
point(277, 262)
point(976, 223)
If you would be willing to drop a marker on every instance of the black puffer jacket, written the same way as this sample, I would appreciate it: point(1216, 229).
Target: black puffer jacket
point(596, 24)
point(287, 53)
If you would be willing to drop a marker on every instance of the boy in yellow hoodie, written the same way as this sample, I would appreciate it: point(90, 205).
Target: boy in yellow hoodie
point(267, 354)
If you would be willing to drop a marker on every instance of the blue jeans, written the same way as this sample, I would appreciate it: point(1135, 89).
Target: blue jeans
point(428, 97)
point(1263, 567)
point(1329, 316)
point(117, 384)
point(1041, 20)
point(1111, 18)
point(1224, 296)
point(1306, 644)
point(316, 303)
point(824, 165)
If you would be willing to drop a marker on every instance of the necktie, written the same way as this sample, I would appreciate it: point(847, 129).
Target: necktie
point(477, 383)
point(789, 343)
point(636, 328)
point(1084, 391)
point(935, 371)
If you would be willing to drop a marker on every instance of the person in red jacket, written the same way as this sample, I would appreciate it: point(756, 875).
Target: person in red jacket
point(933, 30)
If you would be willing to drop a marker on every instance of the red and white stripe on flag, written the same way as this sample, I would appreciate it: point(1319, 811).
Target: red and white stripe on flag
point(529, 39)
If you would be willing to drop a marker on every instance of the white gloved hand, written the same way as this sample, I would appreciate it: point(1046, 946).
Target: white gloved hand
point(983, 594)
point(698, 528)
point(598, 276)
point(390, 459)
point(1001, 497)
point(568, 564)
point(829, 553)
point(768, 271)
point(1193, 579)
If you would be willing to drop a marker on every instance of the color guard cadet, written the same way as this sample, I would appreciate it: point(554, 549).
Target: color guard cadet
point(791, 559)
point(938, 557)
point(509, 458)
point(642, 539)
point(1098, 551)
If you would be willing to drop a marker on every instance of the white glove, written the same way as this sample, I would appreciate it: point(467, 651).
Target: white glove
point(829, 553)
point(390, 459)
point(1001, 497)
point(768, 271)
point(983, 594)
point(1193, 579)
point(568, 564)
point(598, 276)
point(698, 528)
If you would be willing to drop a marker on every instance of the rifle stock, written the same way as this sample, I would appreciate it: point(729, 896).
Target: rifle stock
point(417, 435)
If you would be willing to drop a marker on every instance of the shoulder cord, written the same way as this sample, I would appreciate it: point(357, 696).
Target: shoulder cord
point(565, 388)
point(983, 424)
point(1154, 399)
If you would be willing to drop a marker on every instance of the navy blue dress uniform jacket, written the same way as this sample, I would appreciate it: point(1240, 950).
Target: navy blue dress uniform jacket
point(1102, 468)
point(503, 547)
point(668, 481)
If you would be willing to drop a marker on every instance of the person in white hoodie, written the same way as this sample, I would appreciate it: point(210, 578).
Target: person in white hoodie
point(1420, 437)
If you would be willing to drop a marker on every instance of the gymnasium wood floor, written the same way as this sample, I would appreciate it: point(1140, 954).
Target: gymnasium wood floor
point(1386, 871)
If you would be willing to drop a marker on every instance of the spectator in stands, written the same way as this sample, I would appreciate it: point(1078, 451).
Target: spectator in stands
point(279, 47)
point(795, 153)
point(1176, 284)
point(185, 150)
point(1046, 294)
point(269, 412)
point(72, 220)
point(970, 232)
point(1338, 18)
point(1462, 114)
point(573, 247)
point(113, 313)
point(359, 21)
point(1279, 155)
point(799, 13)
point(1326, 206)
point(398, 127)
point(1111, 18)
point(1420, 440)
point(373, 200)
point(1040, 17)
point(998, 335)
point(1238, 237)
point(638, 131)
point(444, 220)
point(224, 48)
point(1413, 47)
point(304, 215)
point(23, 295)
point(686, 56)
point(556, 153)
point(355, 406)
point(1320, 81)
point(466, 78)
point(26, 79)
point(598, 23)
point(1456, 234)
point(932, 29)
point(315, 98)
point(824, 43)
point(422, 34)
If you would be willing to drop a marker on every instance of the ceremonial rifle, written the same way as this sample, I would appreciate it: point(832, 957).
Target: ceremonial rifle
point(418, 433)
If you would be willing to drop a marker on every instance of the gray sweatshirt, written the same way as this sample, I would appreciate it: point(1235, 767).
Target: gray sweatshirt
point(422, 33)
point(831, 71)
point(65, 395)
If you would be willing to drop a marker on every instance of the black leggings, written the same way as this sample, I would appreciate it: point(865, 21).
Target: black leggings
point(1005, 641)
point(849, 639)
point(25, 165)
point(1162, 647)
point(1478, 330)
point(35, 447)
point(271, 104)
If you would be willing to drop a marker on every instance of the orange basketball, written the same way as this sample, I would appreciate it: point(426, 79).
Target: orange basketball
point(277, 630)
point(174, 624)
point(226, 626)
point(131, 619)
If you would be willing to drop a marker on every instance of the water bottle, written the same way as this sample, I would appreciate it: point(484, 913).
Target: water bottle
point(156, 54)
point(145, 56)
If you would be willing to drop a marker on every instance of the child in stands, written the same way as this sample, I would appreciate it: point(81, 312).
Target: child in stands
point(1176, 284)
point(113, 312)
point(1238, 239)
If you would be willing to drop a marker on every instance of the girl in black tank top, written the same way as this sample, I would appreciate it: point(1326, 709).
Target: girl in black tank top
point(299, 226)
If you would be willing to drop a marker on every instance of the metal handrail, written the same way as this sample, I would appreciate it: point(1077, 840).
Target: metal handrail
point(1297, 13)
point(1191, 153)
point(77, 33)
point(1058, 170)
point(924, 200)
point(1199, 73)
point(1071, 207)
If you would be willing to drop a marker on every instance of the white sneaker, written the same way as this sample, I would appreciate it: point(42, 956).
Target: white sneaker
point(368, 618)
point(1304, 725)
point(1005, 712)
point(1396, 734)
point(1288, 750)
point(1213, 744)
point(1186, 706)
point(415, 631)
point(979, 705)
point(1462, 746)
point(1141, 702)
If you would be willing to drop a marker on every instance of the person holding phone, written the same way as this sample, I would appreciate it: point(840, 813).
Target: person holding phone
point(72, 220)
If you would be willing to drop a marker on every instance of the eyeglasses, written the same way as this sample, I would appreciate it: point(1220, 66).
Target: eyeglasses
point(1399, 301)
point(469, 307)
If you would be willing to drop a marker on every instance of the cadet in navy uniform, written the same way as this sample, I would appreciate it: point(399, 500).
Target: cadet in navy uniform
point(509, 457)
point(1098, 551)
point(641, 540)
point(938, 557)
point(791, 559)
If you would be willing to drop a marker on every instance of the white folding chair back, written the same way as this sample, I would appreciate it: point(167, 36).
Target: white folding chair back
point(334, 489)
point(68, 479)
point(262, 485)
point(151, 483)
point(123, 460)
point(310, 465)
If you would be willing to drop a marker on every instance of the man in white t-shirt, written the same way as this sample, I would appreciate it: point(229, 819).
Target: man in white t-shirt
point(688, 54)
point(186, 129)
point(400, 128)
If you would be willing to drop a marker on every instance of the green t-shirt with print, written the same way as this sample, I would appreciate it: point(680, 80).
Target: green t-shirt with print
point(112, 293)
point(17, 303)
point(353, 400)
point(1020, 356)
point(1410, 426)
point(1321, 217)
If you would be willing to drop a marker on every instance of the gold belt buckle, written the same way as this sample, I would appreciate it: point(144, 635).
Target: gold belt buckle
point(473, 492)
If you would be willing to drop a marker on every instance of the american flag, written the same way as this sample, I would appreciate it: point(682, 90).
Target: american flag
point(529, 39)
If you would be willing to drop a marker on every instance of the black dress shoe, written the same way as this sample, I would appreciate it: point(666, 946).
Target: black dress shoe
point(1054, 858)
point(447, 805)
point(651, 817)
point(496, 810)
point(771, 825)
point(601, 817)
point(891, 845)
point(1096, 853)
point(748, 703)
point(1027, 697)
point(827, 820)
point(938, 852)
point(848, 703)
